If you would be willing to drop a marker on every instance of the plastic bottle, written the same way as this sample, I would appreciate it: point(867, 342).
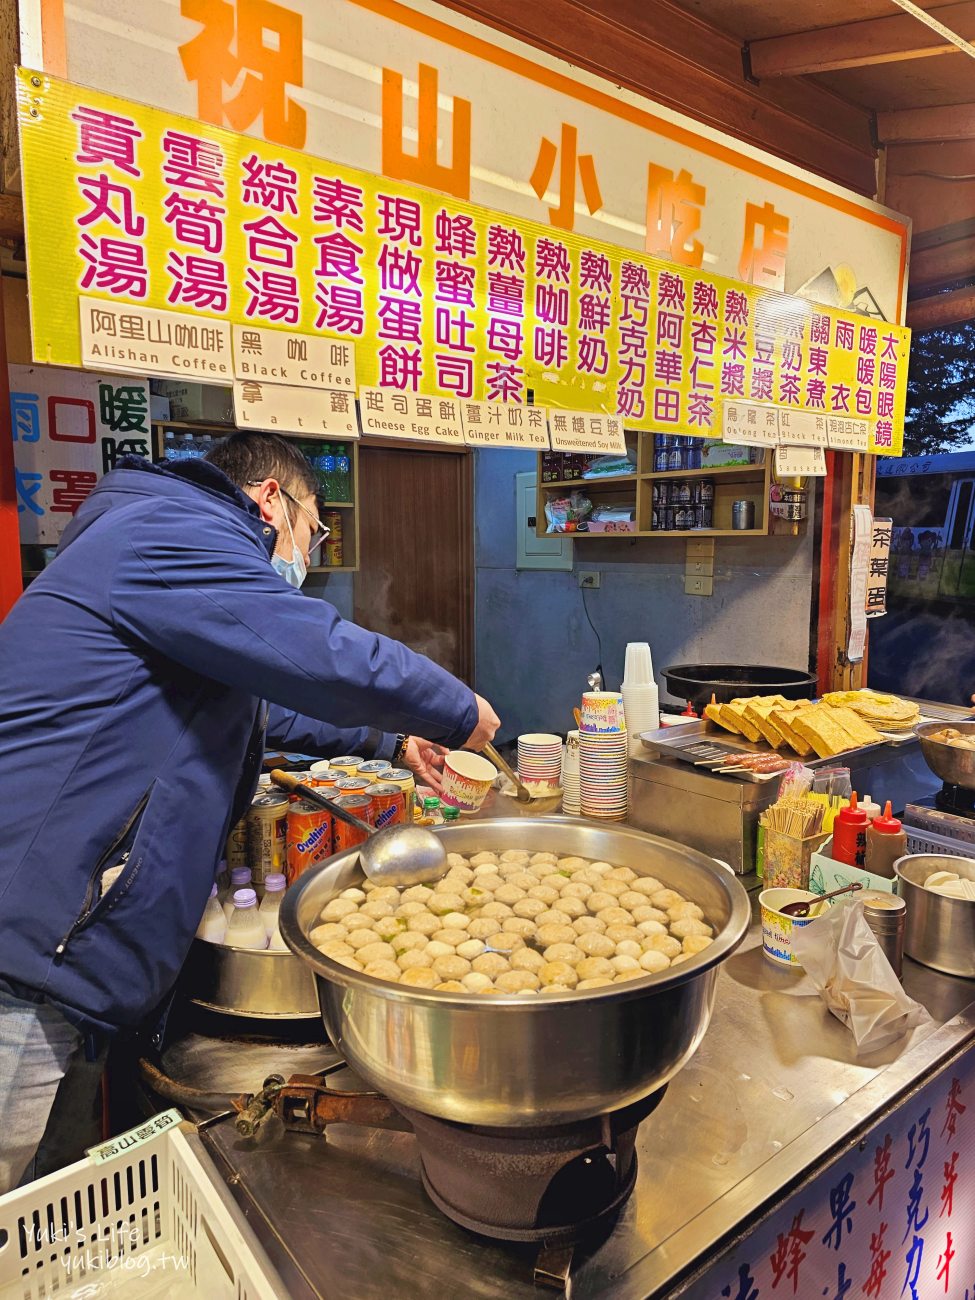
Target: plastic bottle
point(274, 887)
point(886, 842)
point(240, 878)
point(204, 444)
point(450, 813)
point(245, 929)
point(343, 474)
point(870, 807)
point(850, 835)
point(328, 474)
point(169, 445)
point(432, 814)
point(213, 923)
point(187, 447)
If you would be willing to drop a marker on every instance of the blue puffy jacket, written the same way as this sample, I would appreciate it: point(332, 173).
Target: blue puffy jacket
point(133, 672)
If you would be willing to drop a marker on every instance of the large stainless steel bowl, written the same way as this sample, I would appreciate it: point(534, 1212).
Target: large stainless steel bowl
point(507, 1061)
point(938, 931)
point(951, 764)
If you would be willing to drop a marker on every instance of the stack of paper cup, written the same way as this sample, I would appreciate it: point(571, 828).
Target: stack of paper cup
point(641, 699)
point(603, 756)
point(571, 794)
point(540, 760)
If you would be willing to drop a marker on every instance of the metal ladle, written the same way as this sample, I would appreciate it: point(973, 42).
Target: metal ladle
point(398, 855)
point(803, 907)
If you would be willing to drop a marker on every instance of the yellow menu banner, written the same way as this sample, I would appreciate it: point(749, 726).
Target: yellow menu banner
point(130, 204)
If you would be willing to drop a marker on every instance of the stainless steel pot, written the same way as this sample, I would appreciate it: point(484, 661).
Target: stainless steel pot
point(939, 931)
point(951, 764)
point(507, 1061)
point(247, 982)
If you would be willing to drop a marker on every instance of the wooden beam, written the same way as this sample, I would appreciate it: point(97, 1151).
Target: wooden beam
point(915, 125)
point(11, 219)
point(858, 45)
point(942, 310)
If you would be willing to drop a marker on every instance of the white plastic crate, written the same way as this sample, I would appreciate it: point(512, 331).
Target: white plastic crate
point(923, 841)
point(142, 1216)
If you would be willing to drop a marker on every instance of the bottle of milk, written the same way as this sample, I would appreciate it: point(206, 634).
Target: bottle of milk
point(240, 878)
point(213, 923)
point(245, 929)
point(274, 887)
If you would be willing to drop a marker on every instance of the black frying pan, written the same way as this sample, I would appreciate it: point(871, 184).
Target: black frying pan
point(698, 682)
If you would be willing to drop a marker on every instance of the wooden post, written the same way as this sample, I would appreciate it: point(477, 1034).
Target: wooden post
point(11, 584)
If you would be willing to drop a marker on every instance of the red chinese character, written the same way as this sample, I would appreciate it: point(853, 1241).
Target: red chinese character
point(636, 311)
point(818, 359)
point(864, 401)
point(594, 313)
point(697, 379)
point(192, 163)
point(594, 271)
point(882, 1174)
point(944, 1262)
point(705, 299)
point(634, 280)
point(868, 340)
point(269, 185)
point(953, 1107)
point(700, 410)
point(78, 484)
point(106, 138)
point(338, 258)
point(670, 291)
point(552, 261)
point(198, 281)
point(844, 335)
point(670, 329)
point(878, 1263)
point(74, 405)
point(399, 318)
point(633, 342)
point(505, 336)
point(340, 309)
point(196, 222)
point(634, 374)
point(506, 249)
point(791, 356)
point(336, 203)
point(788, 1255)
point(884, 434)
point(704, 336)
point(668, 367)
point(666, 405)
point(273, 295)
point(270, 242)
point(455, 283)
point(552, 304)
point(840, 400)
point(630, 403)
point(761, 385)
point(866, 370)
point(115, 266)
point(455, 234)
point(816, 393)
point(564, 215)
point(504, 383)
point(733, 379)
point(789, 390)
point(102, 194)
point(736, 307)
point(948, 1190)
point(400, 367)
point(452, 329)
point(506, 293)
point(399, 219)
point(888, 374)
point(891, 346)
point(735, 344)
point(593, 355)
point(400, 270)
point(455, 375)
point(819, 330)
point(551, 347)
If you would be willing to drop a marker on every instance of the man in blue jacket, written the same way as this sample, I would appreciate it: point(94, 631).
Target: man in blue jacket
point(135, 671)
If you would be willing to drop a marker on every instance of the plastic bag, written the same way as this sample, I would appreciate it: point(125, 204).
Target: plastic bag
point(841, 956)
point(565, 514)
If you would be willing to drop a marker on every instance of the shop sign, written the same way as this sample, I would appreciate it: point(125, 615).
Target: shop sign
point(880, 537)
point(862, 526)
point(69, 428)
point(140, 206)
point(582, 431)
point(139, 340)
point(799, 462)
point(890, 1219)
point(747, 425)
point(410, 90)
point(803, 428)
point(315, 412)
point(416, 417)
point(299, 360)
point(500, 424)
point(844, 434)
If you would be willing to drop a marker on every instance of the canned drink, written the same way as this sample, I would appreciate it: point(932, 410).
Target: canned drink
point(353, 785)
point(334, 553)
point(375, 769)
point(321, 768)
point(692, 455)
point(347, 766)
point(666, 518)
point(332, 519)
point(704, 491)
point(661, 460)
point(658, 493)
point(675, 459)
point(345, 836)
point(309, 837)
point(323, 782)
point(236, 851)
point(267, 837)
point(667, 440)
point(682, 494)
point(683, 518)
point(404, 778)
point(388, 804)
point(703, 516)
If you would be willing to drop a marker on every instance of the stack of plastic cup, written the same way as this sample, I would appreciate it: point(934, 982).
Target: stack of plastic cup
point(641, 699)
point(571, 792)
point(603, 758)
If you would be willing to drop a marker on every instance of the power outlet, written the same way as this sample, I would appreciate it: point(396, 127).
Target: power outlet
point(589, 578)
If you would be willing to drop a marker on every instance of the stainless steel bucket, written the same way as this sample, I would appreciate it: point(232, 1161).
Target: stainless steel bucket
point(246, 982)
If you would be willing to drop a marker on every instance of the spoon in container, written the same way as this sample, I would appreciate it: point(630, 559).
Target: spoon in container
point(804, 908)
point(398, 855)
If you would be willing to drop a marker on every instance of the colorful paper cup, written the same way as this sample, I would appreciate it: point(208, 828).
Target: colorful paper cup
point(778, 930)
point(466, 780)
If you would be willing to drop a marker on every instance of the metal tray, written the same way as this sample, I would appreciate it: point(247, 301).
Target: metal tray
point(679, 742)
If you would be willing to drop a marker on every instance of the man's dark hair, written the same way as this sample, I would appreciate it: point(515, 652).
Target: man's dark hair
point(252, 457)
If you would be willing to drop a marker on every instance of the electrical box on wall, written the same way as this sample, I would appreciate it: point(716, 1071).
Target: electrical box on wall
point(534, 552)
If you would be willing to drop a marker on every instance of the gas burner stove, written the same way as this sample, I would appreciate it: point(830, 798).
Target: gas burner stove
point(955, 799)
point(552, 1186)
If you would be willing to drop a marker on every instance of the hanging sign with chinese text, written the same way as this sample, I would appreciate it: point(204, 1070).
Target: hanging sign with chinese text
point(799, 462)
point(136, 205)
point(140, 340)
point(582, 431)
point(315, 412)
point(502, 424)
point(747, 425)
point(273, 356)
point(416, 417)
point(69, 428)
point(879, 564)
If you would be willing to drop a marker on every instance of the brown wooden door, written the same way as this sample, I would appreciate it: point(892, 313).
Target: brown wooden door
point(416, 552)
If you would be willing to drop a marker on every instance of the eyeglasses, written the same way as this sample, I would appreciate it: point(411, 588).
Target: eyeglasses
point(319, 531)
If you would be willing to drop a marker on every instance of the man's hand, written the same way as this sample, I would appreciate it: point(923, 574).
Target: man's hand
point(425, 761)
point(487, 726)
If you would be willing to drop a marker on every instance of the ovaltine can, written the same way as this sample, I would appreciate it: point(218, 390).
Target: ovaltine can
point(388, 804)
point(344, 835)
point(353, 785)
point(236, 852)
point(347, 766)
point(375, 769)
point(326, 782)
point(267, 837)
point(404, 778)
point(309, 837)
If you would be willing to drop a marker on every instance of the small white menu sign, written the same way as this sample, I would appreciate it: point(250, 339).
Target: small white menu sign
point(748, 425)
point(300, 360)
point(314, 411)
point(503, 424)
point(146, 341)
point(800, 462)
point(587, 431)
point(803, 428)
point(847, 434)
point(388, 413)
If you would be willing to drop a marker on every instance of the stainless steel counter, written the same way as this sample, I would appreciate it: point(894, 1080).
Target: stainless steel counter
point(774, 1089)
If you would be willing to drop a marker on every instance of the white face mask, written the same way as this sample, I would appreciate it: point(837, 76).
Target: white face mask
point(295, 570)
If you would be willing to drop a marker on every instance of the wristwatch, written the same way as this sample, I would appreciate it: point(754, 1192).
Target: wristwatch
point(399, 751)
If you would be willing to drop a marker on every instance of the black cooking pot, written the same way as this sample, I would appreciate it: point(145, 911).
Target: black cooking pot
point(698, 682)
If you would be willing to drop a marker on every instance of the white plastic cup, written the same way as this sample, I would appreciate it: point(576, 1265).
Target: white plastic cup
point(638, 665)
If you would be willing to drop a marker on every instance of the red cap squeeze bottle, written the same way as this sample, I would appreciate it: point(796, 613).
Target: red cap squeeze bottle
point(850, 835)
